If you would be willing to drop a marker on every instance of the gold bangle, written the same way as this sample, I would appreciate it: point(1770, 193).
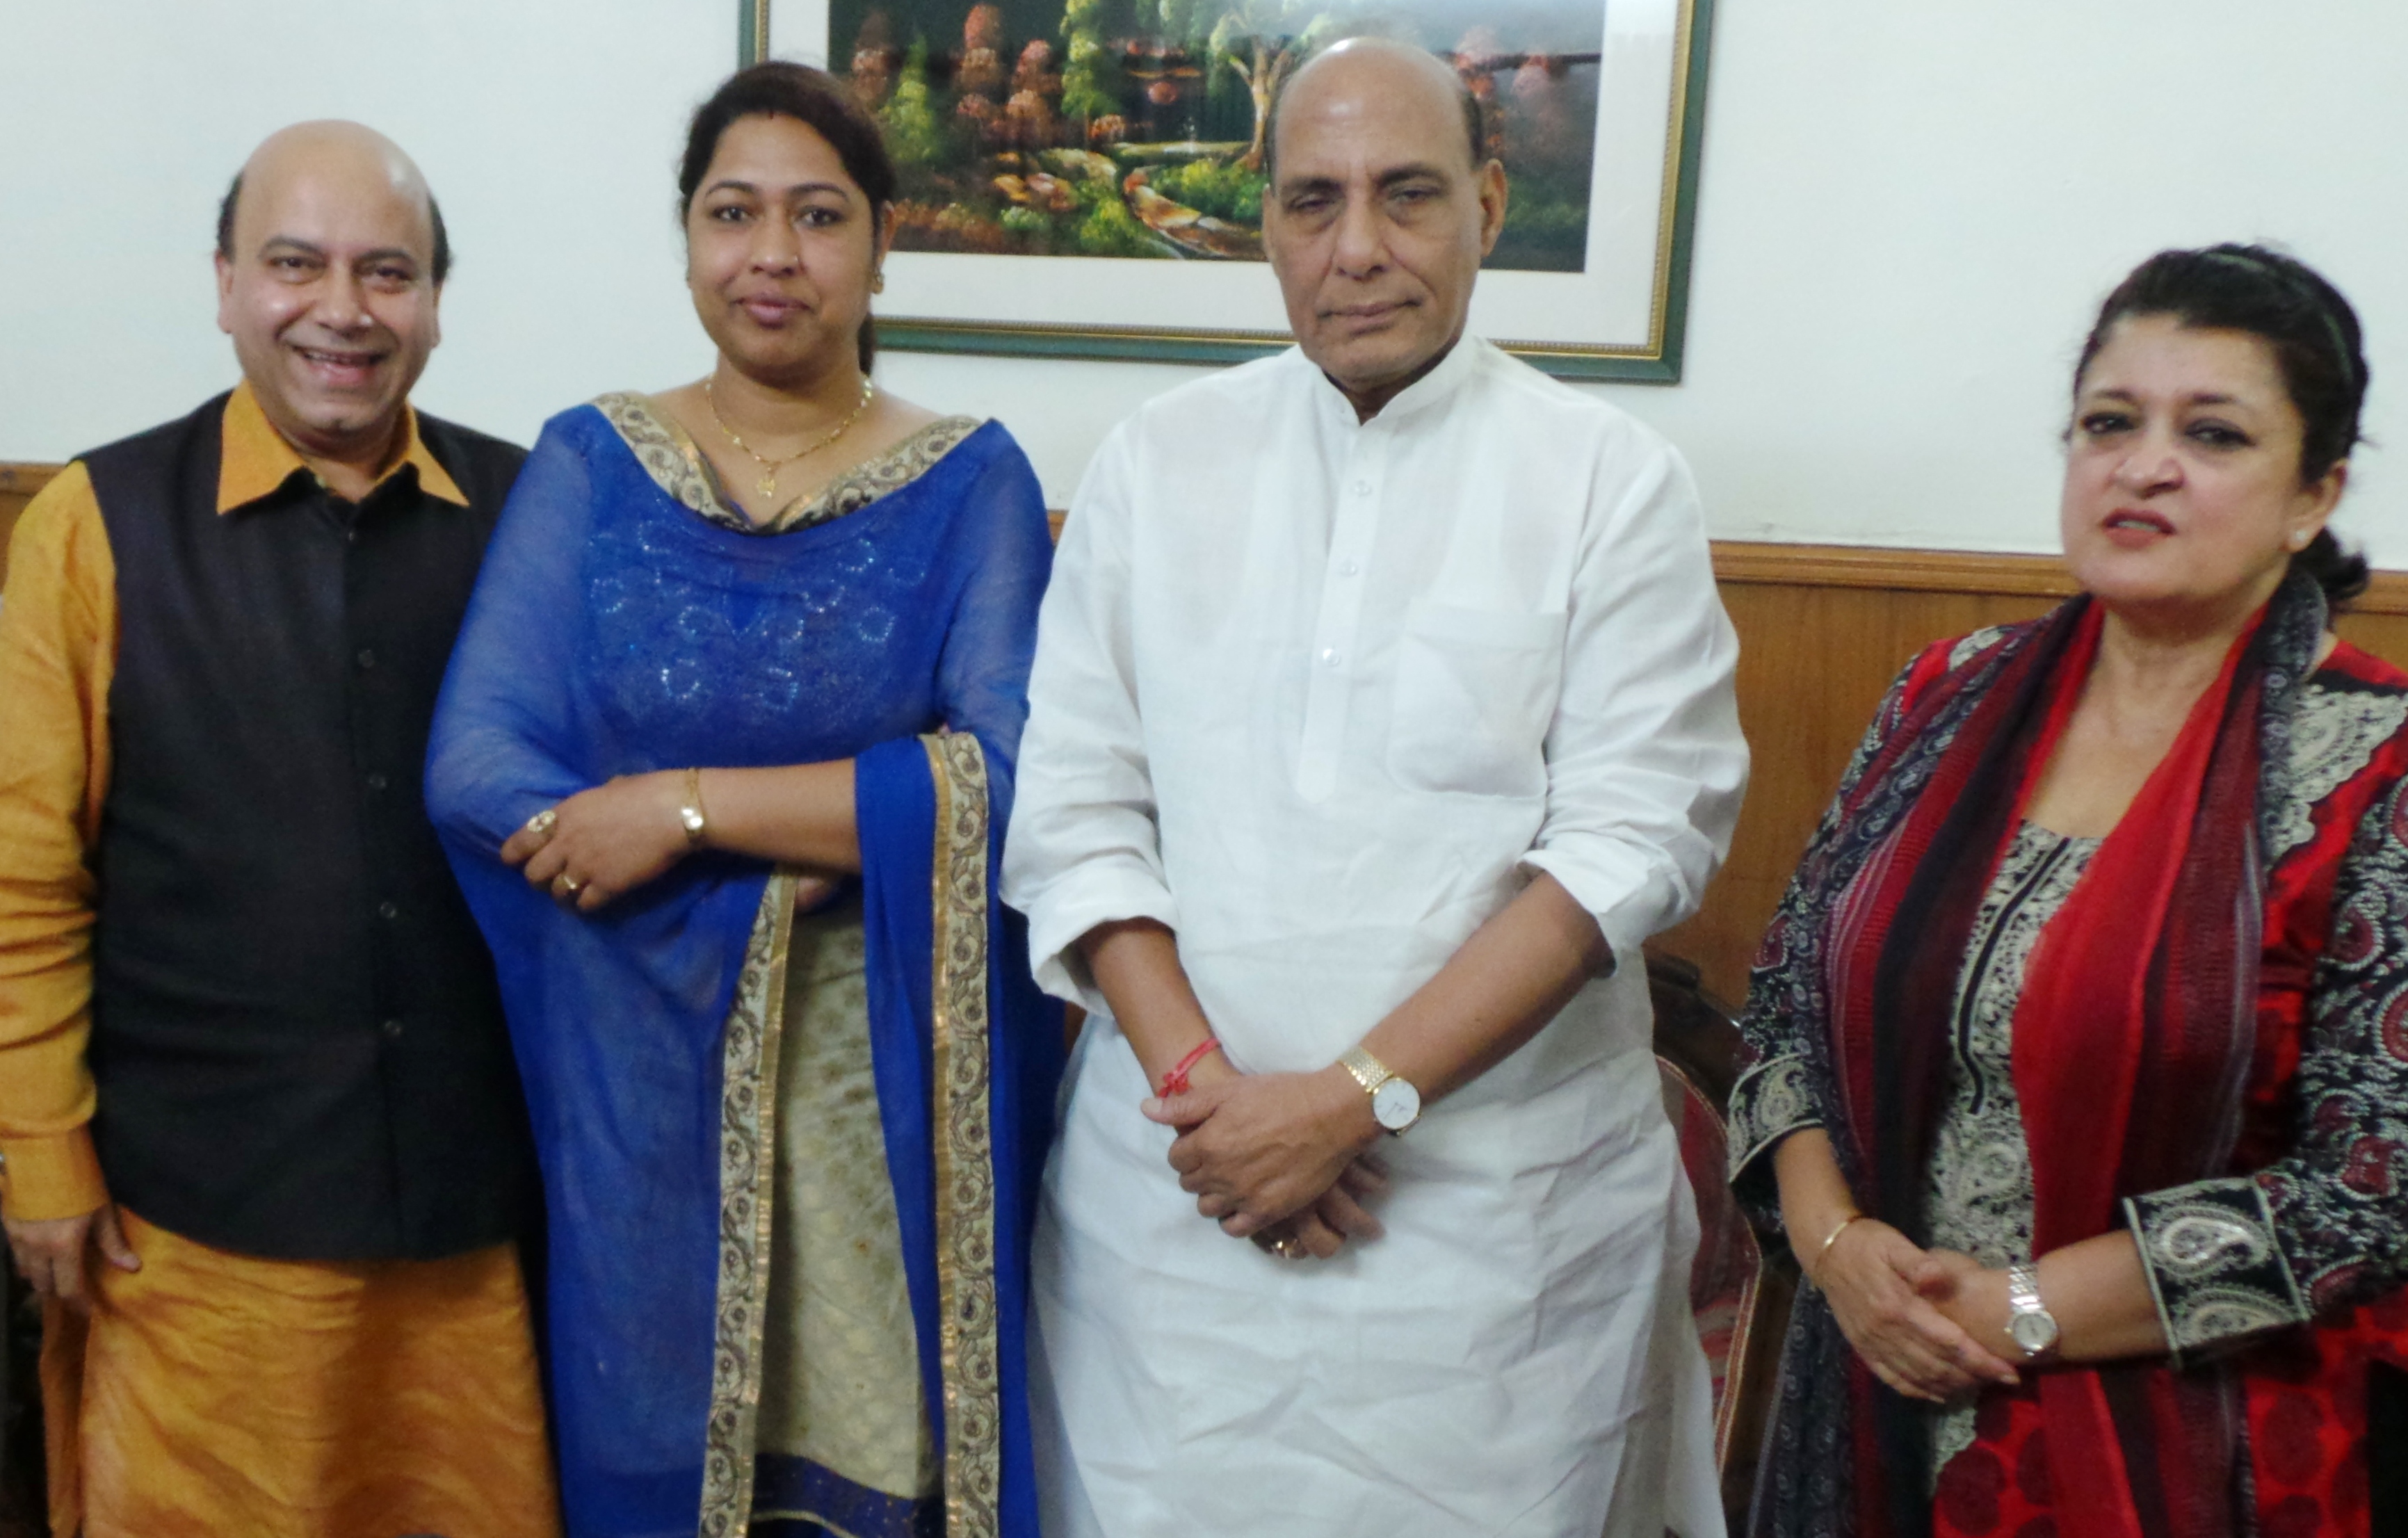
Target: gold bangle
point(690, 815)
point(1825, 1247)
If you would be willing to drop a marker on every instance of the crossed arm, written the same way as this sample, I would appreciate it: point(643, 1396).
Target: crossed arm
point(605, 842)
point(1284, 1154)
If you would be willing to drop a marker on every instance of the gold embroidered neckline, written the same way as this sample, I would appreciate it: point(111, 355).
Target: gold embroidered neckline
point(676, 464)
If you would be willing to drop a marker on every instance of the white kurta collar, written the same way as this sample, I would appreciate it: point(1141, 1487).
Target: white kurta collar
point(1434, 388)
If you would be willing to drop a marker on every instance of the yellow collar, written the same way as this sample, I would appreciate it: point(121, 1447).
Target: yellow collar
point(255, 459)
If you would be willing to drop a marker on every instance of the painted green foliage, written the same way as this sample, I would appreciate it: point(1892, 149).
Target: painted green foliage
point(912, 137)
point(1083, 94)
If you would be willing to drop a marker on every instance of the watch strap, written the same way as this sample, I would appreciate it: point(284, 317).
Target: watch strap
point(2023, 1289)
point(1368, 1070)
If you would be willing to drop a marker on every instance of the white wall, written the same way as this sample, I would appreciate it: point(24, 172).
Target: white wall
point(1909, 210)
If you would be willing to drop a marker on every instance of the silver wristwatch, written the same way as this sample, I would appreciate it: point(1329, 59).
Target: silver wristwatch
point(1396, 1105)
point(2029, 1325)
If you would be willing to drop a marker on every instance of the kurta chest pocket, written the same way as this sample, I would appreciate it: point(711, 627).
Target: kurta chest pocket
point(1475, 690)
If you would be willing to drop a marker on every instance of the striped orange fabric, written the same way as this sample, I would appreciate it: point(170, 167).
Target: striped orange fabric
point(216, 1393)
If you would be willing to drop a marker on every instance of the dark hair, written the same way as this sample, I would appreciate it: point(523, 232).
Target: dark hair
point(2314, 335)
point(820, 102)
point(442, 261)
point(1475, 130)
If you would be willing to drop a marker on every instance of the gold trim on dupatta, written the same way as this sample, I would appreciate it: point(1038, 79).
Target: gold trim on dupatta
point(967, 1336)
point(747, 1152)
point(966, 1332)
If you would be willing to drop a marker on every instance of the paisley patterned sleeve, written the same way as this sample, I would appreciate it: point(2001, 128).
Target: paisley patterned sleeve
point(2327, 1225)
point(1779, 1090)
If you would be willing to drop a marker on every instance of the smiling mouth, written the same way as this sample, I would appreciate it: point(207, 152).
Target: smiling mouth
point(341, 365)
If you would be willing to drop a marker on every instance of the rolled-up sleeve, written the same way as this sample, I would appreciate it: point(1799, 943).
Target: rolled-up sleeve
point(2326, 1226)
point(58, 652)
point(1083, 847)
point(1645, 763)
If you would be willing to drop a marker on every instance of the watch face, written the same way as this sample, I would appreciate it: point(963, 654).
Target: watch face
point(2034, 1333)
point(1397, 1105)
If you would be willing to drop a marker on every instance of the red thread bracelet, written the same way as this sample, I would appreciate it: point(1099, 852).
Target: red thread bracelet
point(1175, 1082)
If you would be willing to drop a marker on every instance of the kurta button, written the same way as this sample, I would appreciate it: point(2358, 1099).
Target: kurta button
point(366, 658)
point(1348, 568)
point(1362, 488)
point(388, 909)
point(1329, 656)
point(391, 1027)
point(377, 781)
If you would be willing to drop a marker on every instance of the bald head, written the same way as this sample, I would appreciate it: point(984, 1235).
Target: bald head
point(1356, 68)
point(344, 151)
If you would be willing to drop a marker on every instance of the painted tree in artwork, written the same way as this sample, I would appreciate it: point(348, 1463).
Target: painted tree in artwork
point(912, 135)
point(1083, 97)
point(1262, 42)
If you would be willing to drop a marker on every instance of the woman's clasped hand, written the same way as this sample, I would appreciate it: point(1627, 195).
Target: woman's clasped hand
point(1891, 1299)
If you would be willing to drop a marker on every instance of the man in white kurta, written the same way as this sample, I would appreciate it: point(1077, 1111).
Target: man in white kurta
point(1382, 691)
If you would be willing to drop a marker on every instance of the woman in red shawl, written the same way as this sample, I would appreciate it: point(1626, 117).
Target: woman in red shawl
point(2079, 1047)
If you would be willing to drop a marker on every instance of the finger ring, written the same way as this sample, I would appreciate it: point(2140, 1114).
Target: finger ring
point(541, 823)
point(570, 886)
point(1285, 1248)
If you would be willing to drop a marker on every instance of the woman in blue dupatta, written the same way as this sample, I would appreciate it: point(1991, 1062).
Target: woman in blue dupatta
point(733, 645)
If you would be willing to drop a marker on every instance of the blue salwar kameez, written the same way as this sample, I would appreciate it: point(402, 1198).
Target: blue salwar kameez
point(626, 622)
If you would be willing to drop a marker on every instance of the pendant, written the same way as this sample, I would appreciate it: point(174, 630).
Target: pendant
point(768, 483)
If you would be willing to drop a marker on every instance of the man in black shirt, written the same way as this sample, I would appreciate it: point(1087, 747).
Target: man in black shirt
point(261, 1142)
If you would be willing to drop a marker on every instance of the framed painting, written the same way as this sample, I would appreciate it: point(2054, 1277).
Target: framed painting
point(1084, 177)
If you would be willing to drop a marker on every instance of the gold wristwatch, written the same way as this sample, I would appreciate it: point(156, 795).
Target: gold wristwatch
point(1395, 1104)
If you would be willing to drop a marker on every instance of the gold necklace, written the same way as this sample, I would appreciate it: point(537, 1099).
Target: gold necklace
point(767, 484)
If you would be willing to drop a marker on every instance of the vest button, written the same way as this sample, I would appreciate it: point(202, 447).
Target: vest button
point(391, 1027)
point(388, 909)
point(366, 658)
point(377, 781)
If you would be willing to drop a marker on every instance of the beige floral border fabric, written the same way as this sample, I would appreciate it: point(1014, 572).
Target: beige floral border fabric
point(968, 1333)
point(747, 1169)
point(966, 1336)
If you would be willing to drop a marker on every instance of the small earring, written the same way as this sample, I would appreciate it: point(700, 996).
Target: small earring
point(878, 282)
point(2300, 539)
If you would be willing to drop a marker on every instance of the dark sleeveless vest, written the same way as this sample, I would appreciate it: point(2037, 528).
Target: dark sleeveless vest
point(297, 1042)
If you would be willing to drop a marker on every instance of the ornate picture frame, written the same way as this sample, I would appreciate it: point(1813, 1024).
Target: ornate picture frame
point(1031, 153)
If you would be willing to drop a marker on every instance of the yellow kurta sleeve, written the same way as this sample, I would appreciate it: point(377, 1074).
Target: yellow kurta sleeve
point(58, 652)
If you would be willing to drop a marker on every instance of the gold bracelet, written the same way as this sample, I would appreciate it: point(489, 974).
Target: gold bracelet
point(690, 815)
point(1825, 1247)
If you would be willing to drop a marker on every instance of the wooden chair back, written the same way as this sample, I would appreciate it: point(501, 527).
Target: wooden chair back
point(1740, 1301)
